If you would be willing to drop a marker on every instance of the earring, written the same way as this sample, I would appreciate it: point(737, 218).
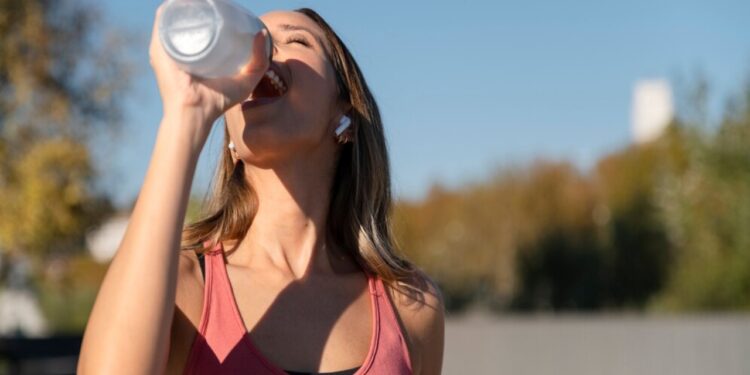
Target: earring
point(343, 124)
point(231, 146)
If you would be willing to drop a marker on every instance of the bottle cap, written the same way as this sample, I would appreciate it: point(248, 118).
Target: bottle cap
point(189, 29)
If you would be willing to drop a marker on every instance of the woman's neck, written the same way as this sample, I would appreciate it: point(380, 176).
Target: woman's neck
point(288, 232)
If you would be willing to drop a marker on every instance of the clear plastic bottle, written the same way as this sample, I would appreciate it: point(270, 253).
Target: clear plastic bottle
point(209, 38)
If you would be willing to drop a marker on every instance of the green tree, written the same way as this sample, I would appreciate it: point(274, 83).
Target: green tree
point(60, 75)
point(62, 72)
point(706, 208)
point(469, 239)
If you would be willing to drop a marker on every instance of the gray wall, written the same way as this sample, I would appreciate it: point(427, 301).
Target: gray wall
point(598, 344)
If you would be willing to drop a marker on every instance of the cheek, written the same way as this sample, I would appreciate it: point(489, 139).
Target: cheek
point(314, 97)
point(235, 120)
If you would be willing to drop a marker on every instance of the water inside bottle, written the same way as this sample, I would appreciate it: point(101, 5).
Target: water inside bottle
point(192, 28)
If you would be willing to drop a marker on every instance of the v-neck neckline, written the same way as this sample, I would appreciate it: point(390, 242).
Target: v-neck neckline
point(276, 369)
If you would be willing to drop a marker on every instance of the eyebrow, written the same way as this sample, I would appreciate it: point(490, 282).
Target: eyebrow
point(288, 27)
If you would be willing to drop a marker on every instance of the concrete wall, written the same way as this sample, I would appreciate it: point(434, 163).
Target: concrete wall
point(598, 344)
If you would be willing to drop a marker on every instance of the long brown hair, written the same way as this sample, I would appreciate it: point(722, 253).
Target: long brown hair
point(359, 216)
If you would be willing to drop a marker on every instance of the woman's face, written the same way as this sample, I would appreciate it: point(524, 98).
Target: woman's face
point(303, 119)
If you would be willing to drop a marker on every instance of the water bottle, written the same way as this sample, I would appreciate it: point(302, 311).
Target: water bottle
point(209, 38)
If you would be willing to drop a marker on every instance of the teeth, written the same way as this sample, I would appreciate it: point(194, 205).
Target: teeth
point(277, 82)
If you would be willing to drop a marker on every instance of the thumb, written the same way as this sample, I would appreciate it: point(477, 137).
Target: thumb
point(260, 60)
point(241, 85)
point(251, 74)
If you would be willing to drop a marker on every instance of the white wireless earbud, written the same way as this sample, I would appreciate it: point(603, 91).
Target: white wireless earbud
point(343, 124)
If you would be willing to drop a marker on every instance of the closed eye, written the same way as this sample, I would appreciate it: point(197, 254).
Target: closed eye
point(298, 39)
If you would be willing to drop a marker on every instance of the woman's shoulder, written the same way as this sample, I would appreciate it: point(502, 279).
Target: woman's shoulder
point(418, 290)
point(190, 282)
point(187, 312)
point(421, 309)
point(420, 300)
point(188, 266)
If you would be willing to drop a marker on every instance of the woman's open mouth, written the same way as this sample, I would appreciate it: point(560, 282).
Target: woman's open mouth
point(269, 89)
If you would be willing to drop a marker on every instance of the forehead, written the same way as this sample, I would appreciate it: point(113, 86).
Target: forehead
point(274, 20)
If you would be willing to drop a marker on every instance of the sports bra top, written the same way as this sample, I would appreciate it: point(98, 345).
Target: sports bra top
point(223, 345)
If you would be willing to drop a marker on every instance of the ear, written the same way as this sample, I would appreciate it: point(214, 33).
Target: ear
point(343, 124)
point(344, 109)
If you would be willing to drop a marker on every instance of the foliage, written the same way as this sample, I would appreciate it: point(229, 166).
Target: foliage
point(67, 289)
point(660, 225)
point(60, 75)
point(707, 211)
point(469, 239)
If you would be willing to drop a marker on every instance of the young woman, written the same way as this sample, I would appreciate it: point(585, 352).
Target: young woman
point(294, 268)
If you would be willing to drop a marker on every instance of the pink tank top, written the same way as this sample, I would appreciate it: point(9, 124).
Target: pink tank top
point(223, 345)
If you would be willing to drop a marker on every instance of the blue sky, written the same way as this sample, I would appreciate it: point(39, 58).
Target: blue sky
point(464, 87)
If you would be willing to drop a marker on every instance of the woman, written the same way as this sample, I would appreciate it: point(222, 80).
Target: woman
point(294, 269)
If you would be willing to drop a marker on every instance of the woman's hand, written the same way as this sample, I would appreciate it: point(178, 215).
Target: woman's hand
point(203, 99)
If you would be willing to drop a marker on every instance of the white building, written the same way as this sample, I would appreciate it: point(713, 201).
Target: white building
point(104, 241)
point(652, 109)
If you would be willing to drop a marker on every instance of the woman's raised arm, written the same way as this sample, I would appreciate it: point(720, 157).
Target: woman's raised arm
point(129, 327)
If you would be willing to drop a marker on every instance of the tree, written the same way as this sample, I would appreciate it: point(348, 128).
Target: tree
point(706, 208)
point(60, 75)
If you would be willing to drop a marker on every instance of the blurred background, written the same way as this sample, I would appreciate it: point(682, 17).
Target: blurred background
point(575, 175)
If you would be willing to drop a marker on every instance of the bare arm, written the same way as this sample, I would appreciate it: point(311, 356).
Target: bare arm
point(129, 327)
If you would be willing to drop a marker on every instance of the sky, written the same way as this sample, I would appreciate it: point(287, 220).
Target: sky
point(468, 87)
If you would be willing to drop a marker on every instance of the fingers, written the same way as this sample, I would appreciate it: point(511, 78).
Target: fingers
point(219, 92)
point(253, 71)
point(259, 62)
point(158, 57)
point(155, 45)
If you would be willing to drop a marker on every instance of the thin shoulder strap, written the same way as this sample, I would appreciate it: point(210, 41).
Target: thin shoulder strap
point(201, 256)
